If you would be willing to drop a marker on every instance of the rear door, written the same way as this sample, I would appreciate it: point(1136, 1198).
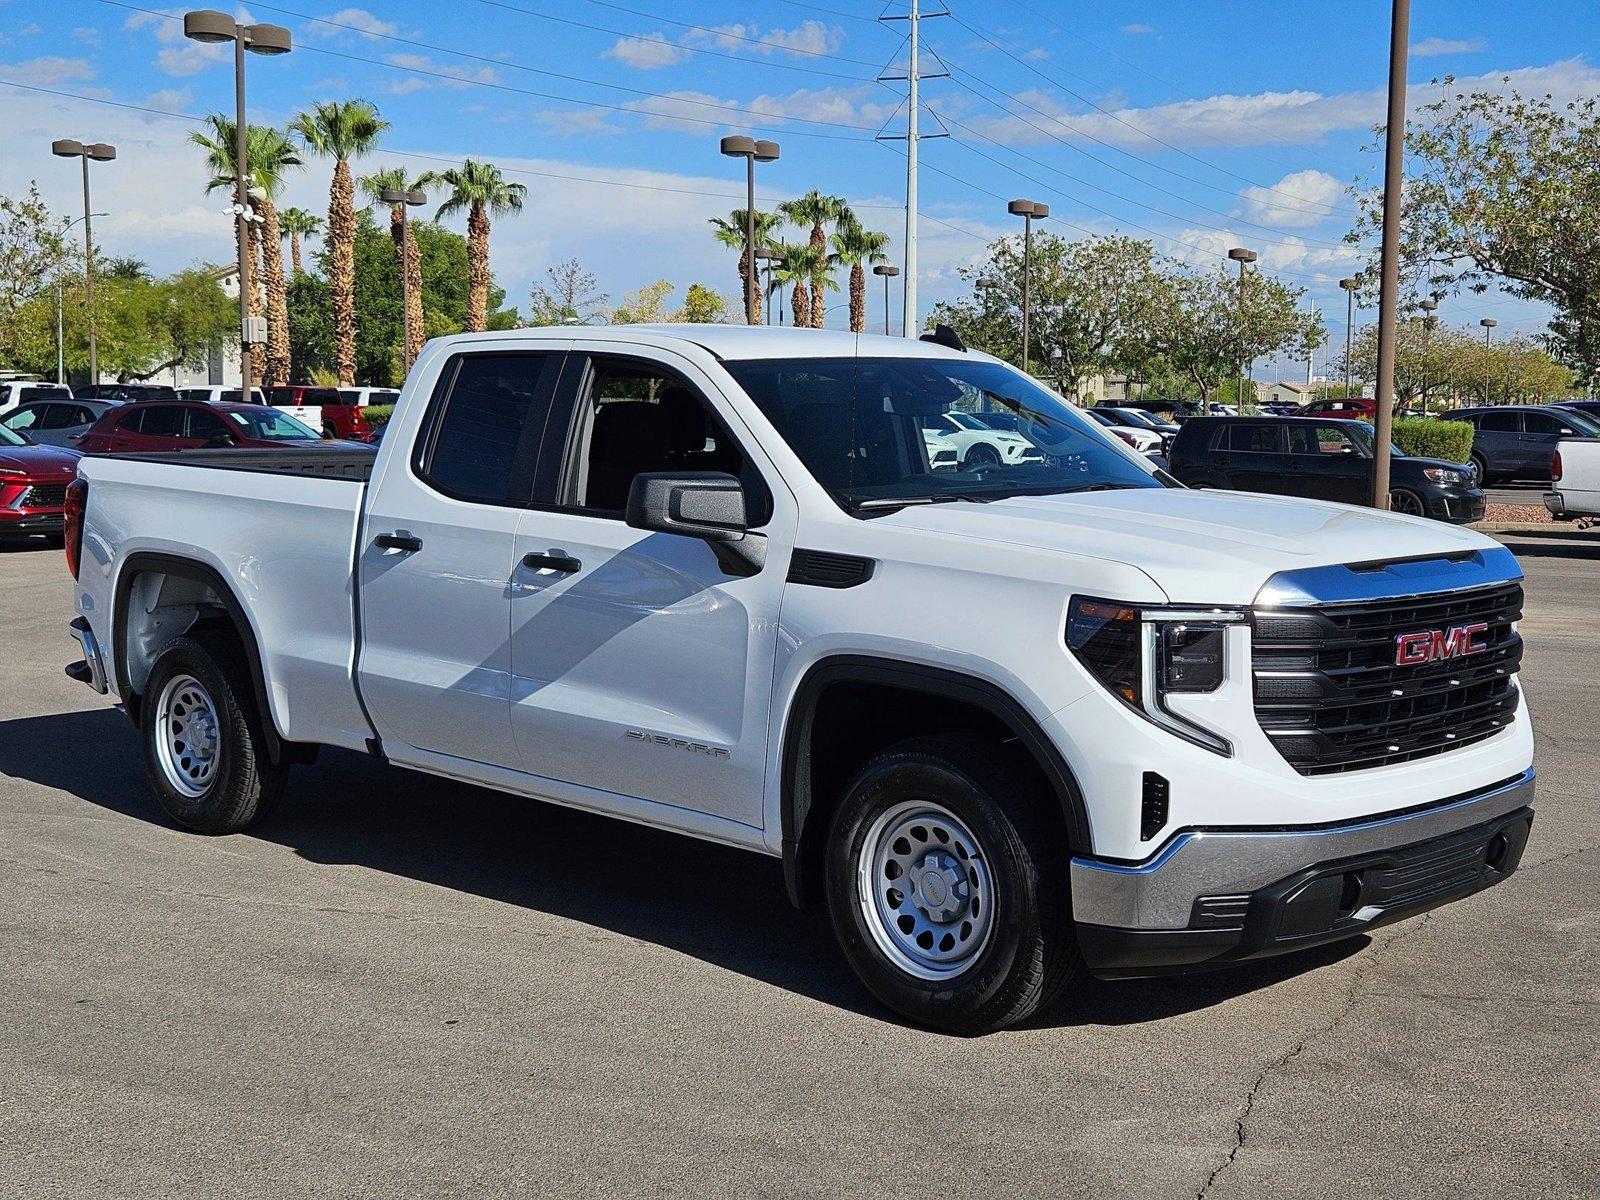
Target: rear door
point(1500, 440)
point(1250, 455)
point(436, 561)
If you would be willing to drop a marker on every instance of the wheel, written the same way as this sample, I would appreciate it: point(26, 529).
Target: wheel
point(981, 455)
point(1407, 504)
point(947, 885)
point(204, 751)
point(329, 433)
point(1481, 465)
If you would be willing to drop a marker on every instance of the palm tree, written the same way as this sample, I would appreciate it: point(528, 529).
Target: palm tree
point(298, 223)
point(480, 189)
point(800, 268)
point(859, 247)
point(816, 210)
point(730, 231)
point(270, 154)
point(341, 130)
point(405, 245)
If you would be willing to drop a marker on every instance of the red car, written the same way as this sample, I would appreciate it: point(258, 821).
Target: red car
point(33, 486)
point(192, 425)
point(1354, 408)
point(340, 418)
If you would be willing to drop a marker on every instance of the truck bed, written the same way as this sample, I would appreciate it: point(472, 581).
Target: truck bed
point(353, 463)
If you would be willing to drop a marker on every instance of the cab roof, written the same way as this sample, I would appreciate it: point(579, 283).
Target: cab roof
point(736, 342)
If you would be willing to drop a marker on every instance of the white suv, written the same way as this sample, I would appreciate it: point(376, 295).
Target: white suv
point(980, 444)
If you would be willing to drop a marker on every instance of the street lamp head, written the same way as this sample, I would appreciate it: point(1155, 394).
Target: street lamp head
point(1021, 208)
point(1349, 285)
point(1040, 211)
point(66, 148)
point(209, 25)
point(392, 196)
point(887, 271)
point(738, 146)
point(1488, 322)
point(1428, 305)
point(766, 151)
point(416, 197)
point(101, 151)
point(1240, 254)
point(767, 254)
point(267, 39)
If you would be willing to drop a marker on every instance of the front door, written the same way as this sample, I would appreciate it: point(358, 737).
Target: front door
point(642, 663)
point(436, 560)
point(1325, 463)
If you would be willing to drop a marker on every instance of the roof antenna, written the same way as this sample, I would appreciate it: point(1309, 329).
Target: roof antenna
point(943, 335)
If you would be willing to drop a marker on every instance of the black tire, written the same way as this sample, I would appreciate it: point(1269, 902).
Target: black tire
point(245, 784)
point(980, 455)
point(1031, 953)
point(1407, 503)
point(1482, 463)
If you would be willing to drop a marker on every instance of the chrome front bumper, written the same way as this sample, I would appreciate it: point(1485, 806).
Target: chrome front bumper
point(1160, 893)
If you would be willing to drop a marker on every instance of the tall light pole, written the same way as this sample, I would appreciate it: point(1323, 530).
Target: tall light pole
point(405, 201)
point(1389, 281)
point(888, 272)
point(1488, 323)
point(752, 151)
point(769, 256)
point(1349, 286)
point(1027, 210)
point(209, 25)
point(1429, 307)
point(100, 152)
point(1243, 257)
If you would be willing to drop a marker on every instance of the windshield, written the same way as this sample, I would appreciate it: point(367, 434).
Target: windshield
point(857, 425)
point(11, 438)
point(270, 425)
point(1584, 422)
point(1138, 417)
point(1362, 433)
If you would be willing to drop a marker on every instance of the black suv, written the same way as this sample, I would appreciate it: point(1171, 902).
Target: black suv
point(1517, 441)
point(1321, 458)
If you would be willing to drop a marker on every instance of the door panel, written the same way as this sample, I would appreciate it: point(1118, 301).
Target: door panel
point(436, 608)
point(647, 670)
point(1324, 463)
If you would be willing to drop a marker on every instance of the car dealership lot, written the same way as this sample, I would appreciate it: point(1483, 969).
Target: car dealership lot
point(403, 985)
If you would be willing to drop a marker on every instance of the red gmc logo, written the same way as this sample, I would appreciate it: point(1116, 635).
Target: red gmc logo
point(1436, 645)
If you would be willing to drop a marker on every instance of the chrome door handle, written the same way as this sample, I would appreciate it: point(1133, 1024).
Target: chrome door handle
point(563, 563)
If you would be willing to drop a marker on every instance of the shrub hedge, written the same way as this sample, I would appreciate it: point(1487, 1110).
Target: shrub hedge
point(1425, 437)
point(377, 415)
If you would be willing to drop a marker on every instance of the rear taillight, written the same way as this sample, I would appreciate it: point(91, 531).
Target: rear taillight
point(1555, 468)
point(72, 522)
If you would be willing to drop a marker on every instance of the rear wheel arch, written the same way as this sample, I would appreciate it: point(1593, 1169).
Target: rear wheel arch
point(822, 750)
point(179, 585)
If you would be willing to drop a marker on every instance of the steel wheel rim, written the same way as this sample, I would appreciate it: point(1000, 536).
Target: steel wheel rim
point(926, 894)
point(1405, 504)
point(188, 735)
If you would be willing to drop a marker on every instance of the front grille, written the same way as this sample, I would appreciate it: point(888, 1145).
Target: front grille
point(44, 495)
point(1330, 696)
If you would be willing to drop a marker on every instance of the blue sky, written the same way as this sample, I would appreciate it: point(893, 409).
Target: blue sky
point(1200, 125)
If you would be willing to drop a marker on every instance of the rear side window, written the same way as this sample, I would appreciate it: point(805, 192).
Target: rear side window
point(321, 396)
point(161, 420)
point(1498, 422)
point(1250, 439)
point(489, 414)
point(58, 416)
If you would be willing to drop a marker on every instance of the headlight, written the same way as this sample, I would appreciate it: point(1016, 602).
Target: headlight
point(1144, 655)
point(1447, 475)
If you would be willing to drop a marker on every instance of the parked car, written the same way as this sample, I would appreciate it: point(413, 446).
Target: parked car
point(703, 577)
point(1517, 441)
point(1589, 408)
point(33, 486)
point(212, 394)
point(192, 425)
point(1353, 407)
point(127, 393)
point(363, 396)
point(1175, 412)
point(1145, 441)
point(1139, 419)
point(1321, 459)
point(55, 422)
point(19, 391)
point(942, 452)
point(980, 444)
point(1574, 480)
point(324, 408)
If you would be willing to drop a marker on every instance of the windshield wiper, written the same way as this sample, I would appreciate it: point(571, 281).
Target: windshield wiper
point(1099, 487)
point(887, 502)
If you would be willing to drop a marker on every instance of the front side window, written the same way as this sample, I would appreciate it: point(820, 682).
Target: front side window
point(857, 424)
point(489, 418)
point(1321, 439)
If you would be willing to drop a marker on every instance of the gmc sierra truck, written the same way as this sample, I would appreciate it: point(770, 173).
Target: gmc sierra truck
point(1574, 480)
point(1015, 722)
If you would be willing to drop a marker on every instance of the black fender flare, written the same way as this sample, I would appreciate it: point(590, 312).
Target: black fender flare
point(152, 562)
point(795, 802)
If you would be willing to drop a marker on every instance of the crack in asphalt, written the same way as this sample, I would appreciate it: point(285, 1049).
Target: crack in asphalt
point(1241, 1123)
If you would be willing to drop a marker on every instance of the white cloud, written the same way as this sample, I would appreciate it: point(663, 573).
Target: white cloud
point(684, 110)
point(1038, 52)
point(435, 74)
point(169, 99)
point(350, 23)
point(48, 70)
point(1137, 30)
point(87, 35)
point(178, 55)
point(808, 39)
point(646, 53)
point(1297, 201)
point(1436, 46)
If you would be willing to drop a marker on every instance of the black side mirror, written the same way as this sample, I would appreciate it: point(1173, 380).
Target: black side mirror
point(219, 441)
point(707, 505)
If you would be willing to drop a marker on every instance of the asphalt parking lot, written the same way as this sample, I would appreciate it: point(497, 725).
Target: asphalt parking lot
point(405, 986)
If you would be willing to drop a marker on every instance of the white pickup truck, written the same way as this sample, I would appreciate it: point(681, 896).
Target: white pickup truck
point(1574, 479)
point(1014, 721)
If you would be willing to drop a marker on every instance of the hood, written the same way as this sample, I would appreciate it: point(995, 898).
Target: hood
point(1200, 546)
point(41, 462)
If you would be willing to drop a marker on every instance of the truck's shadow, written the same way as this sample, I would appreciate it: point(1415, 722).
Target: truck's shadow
point(722, 906)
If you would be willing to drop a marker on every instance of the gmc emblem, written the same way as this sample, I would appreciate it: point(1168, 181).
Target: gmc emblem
point(1436, 645)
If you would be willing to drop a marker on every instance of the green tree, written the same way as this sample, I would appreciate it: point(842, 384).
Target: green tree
point(408, 259)
point(572, 295)
point(34, 254)
point(646, 306)
point(481, 191)
point(1503, 189)
point(1206, 322)
point(799, 269)
point(858, 248)
point(730, 231)
point(817, 211)
point(702, 306)
point(297, 223)
point(341, 130)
